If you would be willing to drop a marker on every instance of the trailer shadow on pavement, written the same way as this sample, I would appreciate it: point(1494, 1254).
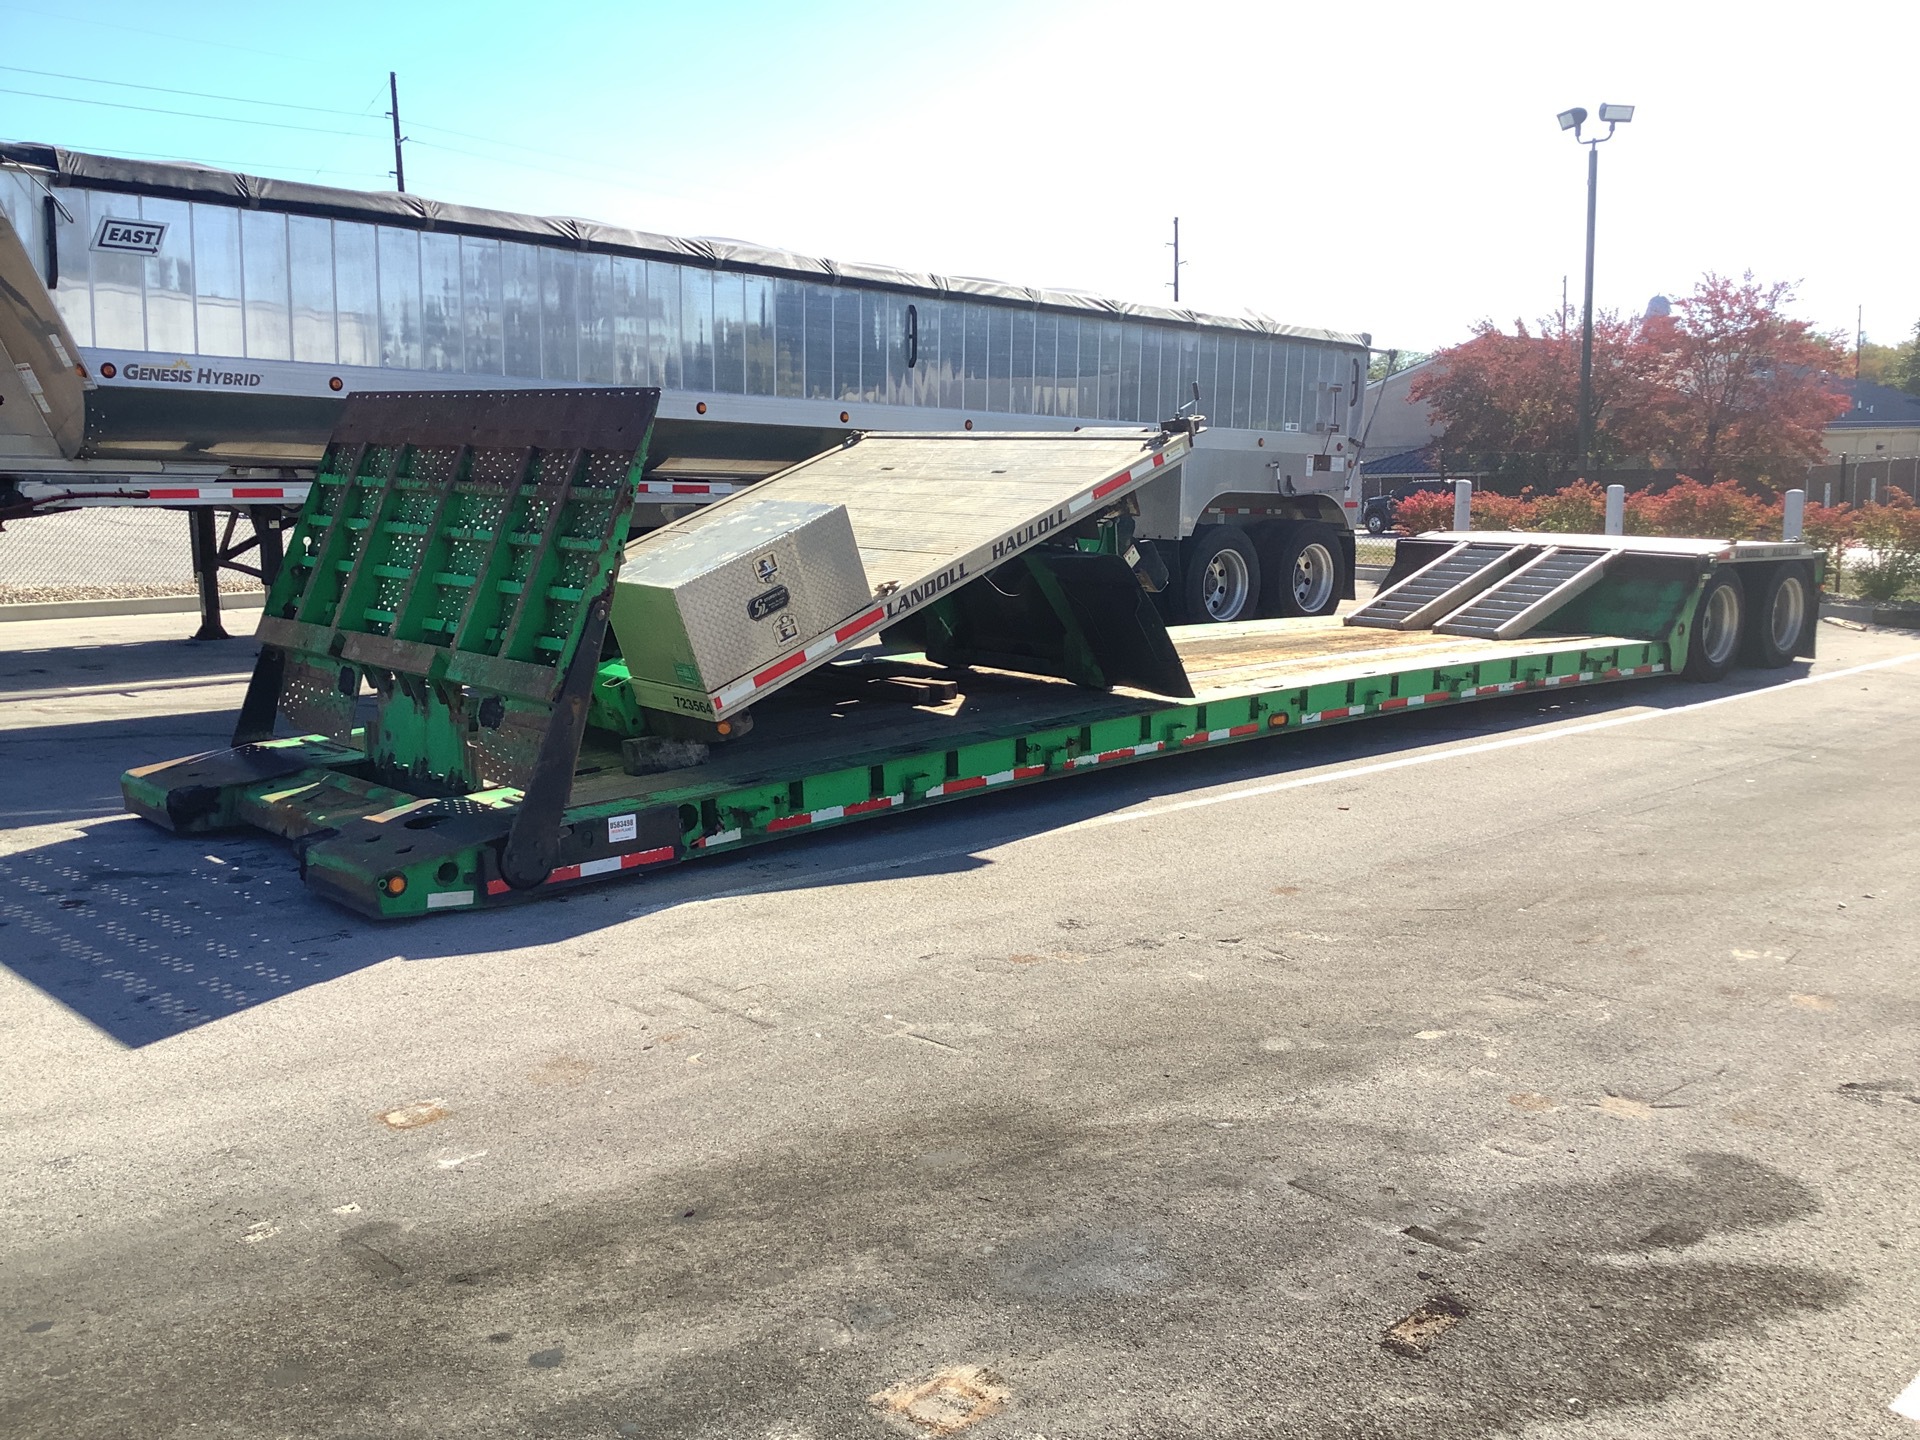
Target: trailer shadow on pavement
point(146, 935)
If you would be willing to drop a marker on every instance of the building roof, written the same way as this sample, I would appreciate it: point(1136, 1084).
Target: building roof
point(202, 183)
point(1876, 407)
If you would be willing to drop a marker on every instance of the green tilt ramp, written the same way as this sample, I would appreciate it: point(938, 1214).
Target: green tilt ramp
point(456, 558)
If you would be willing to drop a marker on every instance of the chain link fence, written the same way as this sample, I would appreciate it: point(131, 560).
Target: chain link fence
point(102, 554)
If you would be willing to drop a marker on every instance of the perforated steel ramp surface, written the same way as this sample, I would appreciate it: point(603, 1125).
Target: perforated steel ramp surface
point(1440, 588)
point(1514, 605)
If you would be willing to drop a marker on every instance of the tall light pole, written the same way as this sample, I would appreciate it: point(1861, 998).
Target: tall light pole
point(1613, 116)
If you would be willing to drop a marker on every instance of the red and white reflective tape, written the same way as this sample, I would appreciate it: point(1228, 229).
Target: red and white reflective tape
point(981, 782)
point(1402, 702)
point(1125, 753)
point(686, 487)
point(229, 492)
point(1232, 732)
point(1118, 482)
point(804, 818)
point(1343, 712)
point(131, 492)
point(1242, 510)
point(740, 689)
point(607, 865)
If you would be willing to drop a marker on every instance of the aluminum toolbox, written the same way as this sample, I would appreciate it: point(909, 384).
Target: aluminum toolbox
point(722, 599)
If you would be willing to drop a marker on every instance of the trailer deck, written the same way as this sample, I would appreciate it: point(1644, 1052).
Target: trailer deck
point(832, 758)
point(471, 735)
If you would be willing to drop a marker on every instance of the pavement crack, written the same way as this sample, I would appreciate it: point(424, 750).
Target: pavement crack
point(929, 1040)
point(719, 1008)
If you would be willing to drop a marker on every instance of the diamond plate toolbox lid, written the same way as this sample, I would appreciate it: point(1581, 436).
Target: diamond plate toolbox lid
point(732, 593)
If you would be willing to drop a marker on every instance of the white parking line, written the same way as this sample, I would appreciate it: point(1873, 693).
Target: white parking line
point(1907, 1402)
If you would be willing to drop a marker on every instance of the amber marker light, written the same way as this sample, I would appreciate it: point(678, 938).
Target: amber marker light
point(394, 884)
point(336, 384)
point(108, 370)
point(700, 408)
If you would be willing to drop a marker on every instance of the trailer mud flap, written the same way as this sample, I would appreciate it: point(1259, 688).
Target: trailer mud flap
point(1079, 616)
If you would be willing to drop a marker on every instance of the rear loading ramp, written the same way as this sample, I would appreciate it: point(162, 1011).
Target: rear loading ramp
point(929, 514)
point(456, 558)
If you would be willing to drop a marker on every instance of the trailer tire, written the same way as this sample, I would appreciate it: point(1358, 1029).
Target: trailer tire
point(1718, 621)
point(1306, 571)
point(1777, 629)
point(1221, 579)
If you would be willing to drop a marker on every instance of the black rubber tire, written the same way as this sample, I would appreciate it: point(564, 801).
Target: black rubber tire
point(1711, 622)
point(1282, 553)
point(1788, 591)
point(1196, 584)
point(1376, 523)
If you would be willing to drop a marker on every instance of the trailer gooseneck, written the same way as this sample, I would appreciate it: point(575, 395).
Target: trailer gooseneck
point(495, 694)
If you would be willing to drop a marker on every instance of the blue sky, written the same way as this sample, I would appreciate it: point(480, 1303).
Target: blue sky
point(1389, 167)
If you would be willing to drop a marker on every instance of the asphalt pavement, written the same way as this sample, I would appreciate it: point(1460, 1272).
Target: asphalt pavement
point(1539, 1067)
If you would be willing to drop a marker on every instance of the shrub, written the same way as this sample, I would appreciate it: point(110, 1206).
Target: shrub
point(1580, 508)
point(1424, 510)
point(1889, 539)
point(1831, 528)
point(1501, 512)
point(1722, 511)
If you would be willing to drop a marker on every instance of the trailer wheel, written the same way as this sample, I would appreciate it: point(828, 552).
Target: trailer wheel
point(1778, 629)
point(1715, 643)
point(1306, 574)
point(1222, 575)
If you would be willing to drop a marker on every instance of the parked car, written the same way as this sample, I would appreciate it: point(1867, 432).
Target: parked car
point(1377, 513)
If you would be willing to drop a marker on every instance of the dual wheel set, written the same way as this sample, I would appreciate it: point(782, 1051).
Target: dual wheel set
point(1752, 615)
point(1280, 567)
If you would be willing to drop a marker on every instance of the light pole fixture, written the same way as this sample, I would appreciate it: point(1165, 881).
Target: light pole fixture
point(1613, 116)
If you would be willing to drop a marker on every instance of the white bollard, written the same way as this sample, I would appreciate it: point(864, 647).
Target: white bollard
point(1463, 504)
point(1793, 515)
point(1616, 509)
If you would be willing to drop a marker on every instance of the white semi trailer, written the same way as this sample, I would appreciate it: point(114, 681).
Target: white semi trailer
point(195, 333)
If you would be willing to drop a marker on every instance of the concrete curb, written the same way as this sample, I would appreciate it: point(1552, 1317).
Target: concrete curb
point(1872, 612)
point(131, 605)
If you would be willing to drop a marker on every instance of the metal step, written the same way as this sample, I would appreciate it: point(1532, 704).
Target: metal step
point(1441, 587)
point(1528, 595)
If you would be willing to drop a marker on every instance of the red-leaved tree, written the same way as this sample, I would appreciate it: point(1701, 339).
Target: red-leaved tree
point(1730, 386)
point(1504, 398)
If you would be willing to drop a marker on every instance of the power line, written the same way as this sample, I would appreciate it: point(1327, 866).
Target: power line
point(185, 114)
point(194, 94)
point(484, 140)
point(70, 19)
point(548, 169)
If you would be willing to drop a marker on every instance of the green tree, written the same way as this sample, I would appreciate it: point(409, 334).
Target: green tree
point(1905, 370)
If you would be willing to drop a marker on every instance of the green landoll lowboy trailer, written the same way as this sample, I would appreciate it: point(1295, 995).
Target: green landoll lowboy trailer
point(475, 688)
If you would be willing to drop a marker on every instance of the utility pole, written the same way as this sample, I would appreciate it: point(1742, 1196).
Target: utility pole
point(399, 165)
point(1177, 261)
point(1859, 336)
